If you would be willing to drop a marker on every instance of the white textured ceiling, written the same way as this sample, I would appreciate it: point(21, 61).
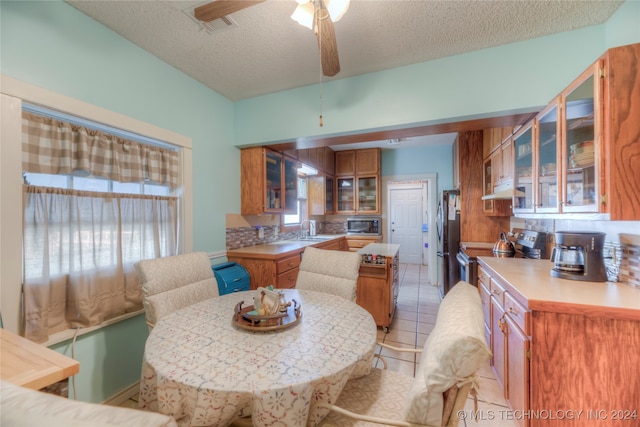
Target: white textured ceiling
point(268, 52)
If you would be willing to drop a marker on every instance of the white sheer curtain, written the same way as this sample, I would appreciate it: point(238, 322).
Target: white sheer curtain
point(79, 252)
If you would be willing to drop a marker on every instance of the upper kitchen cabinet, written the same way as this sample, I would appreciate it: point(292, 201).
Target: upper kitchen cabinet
point(321, 189)
point(582, 151)
point(269, 182)
point(358, 181)
point(497, 149)
point(524, 166)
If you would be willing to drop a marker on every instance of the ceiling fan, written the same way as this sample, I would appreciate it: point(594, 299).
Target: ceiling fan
point(318, 15)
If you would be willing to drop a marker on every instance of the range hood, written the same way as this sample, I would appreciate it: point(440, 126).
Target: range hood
point(502, 192)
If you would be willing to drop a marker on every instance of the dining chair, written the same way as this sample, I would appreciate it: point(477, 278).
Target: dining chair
point(329, 271)
point(173, 282)
point(446, 375)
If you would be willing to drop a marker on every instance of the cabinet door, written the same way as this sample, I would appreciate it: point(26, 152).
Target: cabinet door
point(273, 183)
point(345, 191)
point(496, 167)
point(547, 154)
point(329, 161)
point(517, 369)
point(316, 197)
point(507, 161)
point(346, 162)
point(329, 189)
point(290, 185)
point(499, 342)
point(368, 195)
point(580, 145)
point(523, 179)
point(487, 183)
point(368, 161)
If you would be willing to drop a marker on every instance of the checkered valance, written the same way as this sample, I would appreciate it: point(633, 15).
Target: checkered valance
point(56, 147)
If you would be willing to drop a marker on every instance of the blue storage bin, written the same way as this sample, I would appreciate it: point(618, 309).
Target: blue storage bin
point(231, 277)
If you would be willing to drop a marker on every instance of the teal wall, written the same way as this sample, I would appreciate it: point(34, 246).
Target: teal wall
point(52, 45)
point(420, 160)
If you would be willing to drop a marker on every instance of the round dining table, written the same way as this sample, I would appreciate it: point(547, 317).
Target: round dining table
point(204, 370)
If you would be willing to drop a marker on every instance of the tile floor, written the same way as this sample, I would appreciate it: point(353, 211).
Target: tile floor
point(414, 319)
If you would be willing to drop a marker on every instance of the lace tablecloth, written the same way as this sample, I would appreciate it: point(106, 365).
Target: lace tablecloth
point(203, 371)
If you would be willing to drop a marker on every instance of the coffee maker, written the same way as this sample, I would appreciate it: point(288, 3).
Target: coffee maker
point(578, 256)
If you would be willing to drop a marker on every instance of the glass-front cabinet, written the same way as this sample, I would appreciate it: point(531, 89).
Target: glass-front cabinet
point(524, 167)
point(281, 174)
point(273, 162)
point(290, 185)
point(548, 152)
point(346, 201)
point(580, 145)
point(367, 194)
point(328, 195)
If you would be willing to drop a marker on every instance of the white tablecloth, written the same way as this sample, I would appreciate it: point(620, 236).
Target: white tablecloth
point(203, 370)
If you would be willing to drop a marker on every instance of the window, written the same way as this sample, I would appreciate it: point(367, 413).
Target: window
point(95, 204)
point(295, 219)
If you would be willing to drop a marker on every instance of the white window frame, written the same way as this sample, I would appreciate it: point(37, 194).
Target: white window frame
point(13, 93)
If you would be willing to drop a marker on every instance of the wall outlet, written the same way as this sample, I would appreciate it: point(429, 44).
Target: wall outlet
point(260, 232)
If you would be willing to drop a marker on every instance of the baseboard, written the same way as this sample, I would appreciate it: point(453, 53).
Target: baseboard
point(132, 391)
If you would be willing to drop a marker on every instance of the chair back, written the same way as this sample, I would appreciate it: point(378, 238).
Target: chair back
point(329, 271)
point(174, 282)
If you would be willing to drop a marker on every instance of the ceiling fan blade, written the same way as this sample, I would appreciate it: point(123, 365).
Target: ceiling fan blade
point(219, 8)
point(327, 42)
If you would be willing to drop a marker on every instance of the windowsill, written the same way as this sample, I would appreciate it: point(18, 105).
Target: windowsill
point(68, 334)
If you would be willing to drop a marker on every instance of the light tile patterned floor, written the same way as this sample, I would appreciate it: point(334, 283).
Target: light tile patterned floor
point(415, 316)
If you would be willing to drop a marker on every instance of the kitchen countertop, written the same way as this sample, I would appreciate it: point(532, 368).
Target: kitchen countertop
point(534, 287)
point(276, 249)
point(384, 249)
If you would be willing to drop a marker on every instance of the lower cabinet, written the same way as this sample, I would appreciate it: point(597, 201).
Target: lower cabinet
point(378, 290)
point(359, 242)
point(281, 272)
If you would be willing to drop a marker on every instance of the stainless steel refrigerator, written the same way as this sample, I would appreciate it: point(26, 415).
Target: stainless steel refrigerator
point(448, 227)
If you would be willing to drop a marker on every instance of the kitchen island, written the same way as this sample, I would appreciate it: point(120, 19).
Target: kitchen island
point(378, 282)
point(562, 347)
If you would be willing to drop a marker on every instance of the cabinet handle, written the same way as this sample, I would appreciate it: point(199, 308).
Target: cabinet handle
point(495, 292)
point(503, 325)
point(513, 311)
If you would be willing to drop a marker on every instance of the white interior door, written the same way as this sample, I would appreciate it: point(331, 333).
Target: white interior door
point(406, 221)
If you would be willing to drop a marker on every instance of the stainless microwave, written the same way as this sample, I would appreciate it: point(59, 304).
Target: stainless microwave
point(364, 226)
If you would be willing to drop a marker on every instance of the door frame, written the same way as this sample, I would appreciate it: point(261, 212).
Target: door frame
point(428, 182)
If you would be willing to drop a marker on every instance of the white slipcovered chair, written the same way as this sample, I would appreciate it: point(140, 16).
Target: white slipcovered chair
point(447, 373)
point(332, 272)
point(174, 282)
point(23, 407)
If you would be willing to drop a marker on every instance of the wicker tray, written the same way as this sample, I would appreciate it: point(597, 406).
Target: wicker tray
point(254, 322)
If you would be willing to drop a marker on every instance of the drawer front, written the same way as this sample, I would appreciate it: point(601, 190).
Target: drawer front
point(287, 264)
point(359, 244)
point(497, 291)
point(288, 279)
point(520, 315)
point(484, 277)
point(485, 297)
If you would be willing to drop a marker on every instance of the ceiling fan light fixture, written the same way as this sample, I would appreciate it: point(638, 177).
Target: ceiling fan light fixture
point(305, 10)
point(303, 14)
point(337, 8)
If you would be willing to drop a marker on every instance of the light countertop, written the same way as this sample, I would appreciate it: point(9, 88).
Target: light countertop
point(533, 286)
point(384, 249)
point(279, 248)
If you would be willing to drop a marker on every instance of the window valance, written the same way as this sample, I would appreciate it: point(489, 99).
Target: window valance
point(56, 147)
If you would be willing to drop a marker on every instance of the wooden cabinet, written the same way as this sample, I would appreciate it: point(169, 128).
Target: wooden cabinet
point(568, 347)
point(269, 182)
point(580, 154)
point(378, 290)
point(509, 326)
point(354, 244)
point(321, 190)
point(497, 169)
point(358, 181)
point(345, 162)
point(455, 152)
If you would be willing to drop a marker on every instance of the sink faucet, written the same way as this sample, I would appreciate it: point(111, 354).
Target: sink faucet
point(304, 233)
